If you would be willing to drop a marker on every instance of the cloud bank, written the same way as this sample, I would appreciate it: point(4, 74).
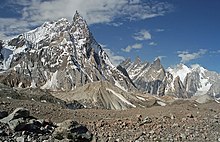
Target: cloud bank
point(186, 56)
point(35, 12)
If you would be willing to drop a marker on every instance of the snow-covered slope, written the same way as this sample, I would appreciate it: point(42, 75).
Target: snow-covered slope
point(180, 70)
point(58, 56)
point(196, 79)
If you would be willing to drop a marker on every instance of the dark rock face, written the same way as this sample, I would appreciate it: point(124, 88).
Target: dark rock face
point(180, 90)
point(3, 114)
point(20, 126)
point(58, 56)
point(192, 83)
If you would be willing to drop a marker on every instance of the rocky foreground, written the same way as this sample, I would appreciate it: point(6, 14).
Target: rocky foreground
point(41, 121)
point(21, 127)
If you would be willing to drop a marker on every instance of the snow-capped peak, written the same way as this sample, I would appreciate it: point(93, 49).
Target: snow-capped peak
point(180, 70)
point(197, 67)
point(59, 55)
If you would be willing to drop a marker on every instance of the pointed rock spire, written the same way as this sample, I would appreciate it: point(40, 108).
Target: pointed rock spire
point(137, 60)
point(77, 16)
point(157, 61)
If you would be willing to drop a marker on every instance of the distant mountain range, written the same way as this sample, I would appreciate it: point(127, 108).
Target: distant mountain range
point(181, 81)
point(64, 56)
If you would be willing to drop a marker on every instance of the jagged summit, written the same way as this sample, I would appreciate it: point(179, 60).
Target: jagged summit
point(180, 81)
point(58, 55)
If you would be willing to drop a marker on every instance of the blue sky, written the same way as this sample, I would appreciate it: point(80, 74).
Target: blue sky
point(177, 31)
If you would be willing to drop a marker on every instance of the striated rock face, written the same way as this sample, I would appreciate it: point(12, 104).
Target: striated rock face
point(179, 88)
point(104, 95)
point(146, 76)
point(57, 56)
point(181, 81)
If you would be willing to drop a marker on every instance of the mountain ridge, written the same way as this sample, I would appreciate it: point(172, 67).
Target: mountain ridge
point(58, 56)
point(64, 56)
point(181, 81)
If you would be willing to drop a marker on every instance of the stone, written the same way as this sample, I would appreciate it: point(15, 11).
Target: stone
point(182, 136)
point(172, 116)
point(17, 113)
point(17, 124)
point(189, 115)
point(20, 139)
point(146, 120)
point(72, 130)
point(3, 114)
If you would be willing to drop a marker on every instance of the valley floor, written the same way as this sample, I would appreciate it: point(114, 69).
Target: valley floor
point(180, 121)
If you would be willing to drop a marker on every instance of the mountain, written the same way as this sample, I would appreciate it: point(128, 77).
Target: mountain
point(102, 94)
point(57, 56)
point(147, 77)
point(181, 81)
point(197, 80)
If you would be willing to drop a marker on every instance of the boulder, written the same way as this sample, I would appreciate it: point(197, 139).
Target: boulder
point(17, 113)
point(3, 114)
point(72, 130)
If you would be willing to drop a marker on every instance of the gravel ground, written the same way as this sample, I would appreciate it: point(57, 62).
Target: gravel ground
point(180, 121)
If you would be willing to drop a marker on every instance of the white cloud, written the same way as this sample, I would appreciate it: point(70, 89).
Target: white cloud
point(186, 56)
point(115, 59)
point(135, 46)
point(35, 12)
point(215, 52)
point(161, 57)
point(10, 27)
point(153, 44)
point(160, 30)
point(142, 35)
point(103, 45)
point(116, 24)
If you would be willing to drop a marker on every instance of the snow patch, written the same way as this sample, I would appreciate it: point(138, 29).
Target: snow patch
point(52, 83)
point(33, 84)
point(141, 98)
point(181, 70)
point(120, 97)
point(205, 86)
point(161, 103)
point(119, 86)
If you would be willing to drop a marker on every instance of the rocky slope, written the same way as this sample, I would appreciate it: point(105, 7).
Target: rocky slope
point(103, 94)
point(181, 120)
point(57, 56)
